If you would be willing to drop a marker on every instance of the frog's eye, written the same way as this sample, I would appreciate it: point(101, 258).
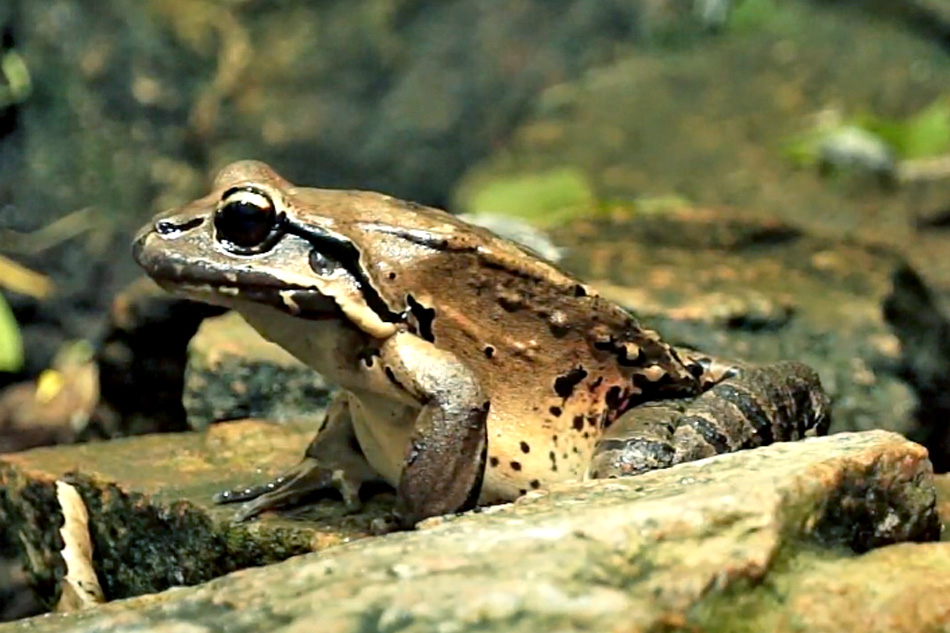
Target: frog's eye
point(245, 217)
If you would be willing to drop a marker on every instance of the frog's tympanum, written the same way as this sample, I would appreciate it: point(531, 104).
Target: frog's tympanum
point(471, 370)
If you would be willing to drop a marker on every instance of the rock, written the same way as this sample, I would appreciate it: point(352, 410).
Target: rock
point(942, 484)
point(757, 290)
point(898, 589)
point(28, 418)
point(142, 359)
point(658, 123)
point(150, 512)
point(17, 600)
point(690, 547)
point(913, 312)
point(233, 373)
point(853, 149)
point(931, 18)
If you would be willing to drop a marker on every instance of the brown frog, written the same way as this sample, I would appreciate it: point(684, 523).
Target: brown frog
point(471, 370)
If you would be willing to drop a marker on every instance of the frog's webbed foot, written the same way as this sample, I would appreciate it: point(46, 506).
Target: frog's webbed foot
point(332, 462)
point(288, 488)
point(746, 406)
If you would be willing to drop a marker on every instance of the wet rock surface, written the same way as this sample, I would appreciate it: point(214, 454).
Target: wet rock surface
point(912, 310)
point(753, 534)
point(151, 517)
point(142, 360)
point(233, 373)
point(755, 290)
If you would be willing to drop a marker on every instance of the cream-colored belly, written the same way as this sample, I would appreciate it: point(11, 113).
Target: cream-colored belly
point(526, 455)
point(383, 428)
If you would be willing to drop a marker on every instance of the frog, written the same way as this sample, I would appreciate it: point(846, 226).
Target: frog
point(471, 370)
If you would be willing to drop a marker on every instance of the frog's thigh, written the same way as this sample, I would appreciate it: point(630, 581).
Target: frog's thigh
point(751, 406)
point(445, 460)
point(336, 448)
point(332, 460)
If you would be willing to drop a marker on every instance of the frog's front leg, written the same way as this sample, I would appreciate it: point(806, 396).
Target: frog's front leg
point(445, 460)
point(743, 406)
point(332, 461)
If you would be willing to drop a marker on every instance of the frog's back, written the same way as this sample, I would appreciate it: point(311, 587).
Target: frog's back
point(558, 361)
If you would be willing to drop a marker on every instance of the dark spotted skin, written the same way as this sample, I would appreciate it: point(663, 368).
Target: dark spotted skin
point(626, 401)
point(755, 406)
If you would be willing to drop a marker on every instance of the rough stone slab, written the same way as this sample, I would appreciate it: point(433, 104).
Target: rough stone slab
point(756, 290)
point(234, 373)
point(142, 360)
point(942, 484)
point(672, 549)
point(914, 312)
point(149, 498)
point(903, 588)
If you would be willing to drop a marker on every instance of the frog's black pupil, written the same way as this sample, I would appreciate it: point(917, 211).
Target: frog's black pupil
point(244, 223)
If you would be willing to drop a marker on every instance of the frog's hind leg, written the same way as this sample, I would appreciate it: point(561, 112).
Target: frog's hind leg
point(742, 407)
point(333, 460)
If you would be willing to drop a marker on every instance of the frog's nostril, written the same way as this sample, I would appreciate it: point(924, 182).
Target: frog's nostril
point(164, 227)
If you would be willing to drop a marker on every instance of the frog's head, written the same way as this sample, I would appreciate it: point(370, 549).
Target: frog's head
point(257, 238)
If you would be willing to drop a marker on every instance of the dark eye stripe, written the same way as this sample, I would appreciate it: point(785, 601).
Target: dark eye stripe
point(343, 251)
point(169, 226)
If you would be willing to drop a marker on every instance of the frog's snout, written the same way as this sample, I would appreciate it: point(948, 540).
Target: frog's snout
point(138, 244)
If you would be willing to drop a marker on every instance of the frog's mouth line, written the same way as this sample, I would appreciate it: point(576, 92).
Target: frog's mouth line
point(230, 289)
point(305, 303)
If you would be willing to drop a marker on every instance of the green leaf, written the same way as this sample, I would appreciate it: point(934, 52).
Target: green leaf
point(11, 345)
point(926, 133)
point(750, 15)
point(544, 197)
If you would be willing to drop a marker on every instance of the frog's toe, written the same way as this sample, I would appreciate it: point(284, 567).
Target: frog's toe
point(349, 489)
point(306, 477)
point(238, 495)
point(247, 512)
point(381, 526)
